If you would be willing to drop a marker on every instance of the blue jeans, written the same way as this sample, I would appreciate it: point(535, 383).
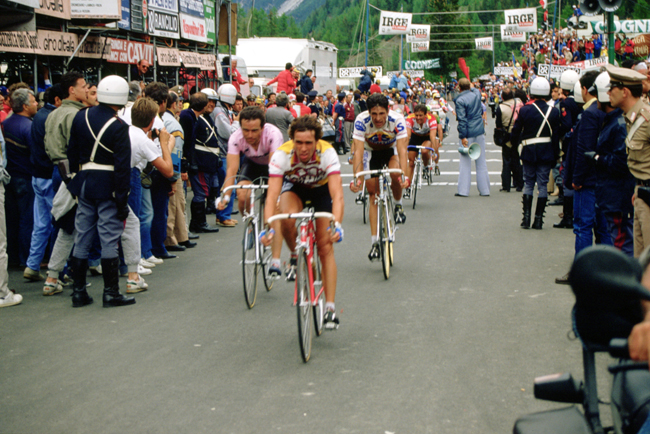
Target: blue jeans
point(146, 217)
point(42, 232)
point(160, 203)
point(19, 211)
point(588, 220)
point(135, 195)
point(221, 175)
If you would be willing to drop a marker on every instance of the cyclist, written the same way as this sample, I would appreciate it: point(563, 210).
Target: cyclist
point(256, 141)
point(306, 171)
point(423, 129)
point(380, 139)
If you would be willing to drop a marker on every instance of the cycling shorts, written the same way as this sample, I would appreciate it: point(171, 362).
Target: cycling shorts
point(418, 141)
point(317, 197)
point(250, 171)
point(376, 160)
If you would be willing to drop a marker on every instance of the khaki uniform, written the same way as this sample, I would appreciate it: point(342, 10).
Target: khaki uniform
point(638, 161)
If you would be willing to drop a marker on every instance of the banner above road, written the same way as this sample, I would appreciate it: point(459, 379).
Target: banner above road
point(419, 33)
point(421, 64)
point(484, 44)
point(419, 47)
point(394, 23)
point(521, 20)
point(506, 71)
point(509, 36)
point(625, 26)
point(356, 71)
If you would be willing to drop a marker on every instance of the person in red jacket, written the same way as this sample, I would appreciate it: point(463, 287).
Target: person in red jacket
point(374, 88)
point(285, 80)
point(589, 49)
point(629, 49)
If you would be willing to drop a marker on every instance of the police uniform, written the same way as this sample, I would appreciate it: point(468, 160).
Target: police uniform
point(537, 131)
point(637, 121)
point(100, 151)
point(206, 159)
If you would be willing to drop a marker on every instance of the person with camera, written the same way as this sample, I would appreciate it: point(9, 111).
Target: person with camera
point(511, 167)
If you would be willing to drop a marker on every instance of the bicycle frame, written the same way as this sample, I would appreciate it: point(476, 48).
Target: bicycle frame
point(381, 197)
point(257, 217)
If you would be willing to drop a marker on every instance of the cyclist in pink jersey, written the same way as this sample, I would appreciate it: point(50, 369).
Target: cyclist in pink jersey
point(256, 141)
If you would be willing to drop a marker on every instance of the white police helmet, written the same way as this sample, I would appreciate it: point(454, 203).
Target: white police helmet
point(568, 79)
point(577, 93)
point(227, 93)
point(601, 86)
point(210, 93)
point(540, 87)
point(113, 90)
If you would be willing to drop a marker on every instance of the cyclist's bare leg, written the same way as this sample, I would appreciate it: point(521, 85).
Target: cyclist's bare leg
point(372, 185)
point(412, 156)
point(276, 244)
point(396, 177)
point(290, 203)
point(426, 154)
point(326, 255)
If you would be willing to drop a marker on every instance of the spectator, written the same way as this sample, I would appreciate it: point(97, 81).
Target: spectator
point(306, 84)
point(280, 116)
point(285, 80)
point(236, 77)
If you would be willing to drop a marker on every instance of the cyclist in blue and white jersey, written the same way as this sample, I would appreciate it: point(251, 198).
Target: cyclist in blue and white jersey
point(380, 139)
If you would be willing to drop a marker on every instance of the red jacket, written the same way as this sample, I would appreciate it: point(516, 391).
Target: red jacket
point(374, 88)
point(285, 82)
point(237, 80)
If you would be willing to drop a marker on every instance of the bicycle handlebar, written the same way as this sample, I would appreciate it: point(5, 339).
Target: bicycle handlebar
point(302, 215)
point(421, 147)
point(377, 172)
point(226, 198)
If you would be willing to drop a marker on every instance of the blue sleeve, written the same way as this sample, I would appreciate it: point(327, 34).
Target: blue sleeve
point(615, 162)
point(587, 141)
point(340, 110)
point(122, 163)
point(461, 115)
point(4, 149)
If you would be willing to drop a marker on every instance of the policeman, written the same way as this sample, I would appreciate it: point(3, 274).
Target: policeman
point(225, 124)
point(536, 131)
point(625, 93)
point(313, 105)
point(206, 159)
point(100, 151)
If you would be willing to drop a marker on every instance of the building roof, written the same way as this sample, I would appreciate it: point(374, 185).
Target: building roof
point(272, 54)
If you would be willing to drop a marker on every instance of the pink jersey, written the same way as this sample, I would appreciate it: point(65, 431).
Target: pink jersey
point(270, 141)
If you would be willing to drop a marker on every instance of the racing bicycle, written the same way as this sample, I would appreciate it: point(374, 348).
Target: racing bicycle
point(420, 172)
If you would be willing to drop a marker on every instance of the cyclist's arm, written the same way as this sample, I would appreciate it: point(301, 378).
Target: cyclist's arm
point(232, 162)
point(402, 145)
point(272, 194)
point(336, 192)
point(440, 134)
point(432, 136)
point(357, 159)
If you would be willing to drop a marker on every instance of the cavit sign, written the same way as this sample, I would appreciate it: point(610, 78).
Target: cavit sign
point(394, 23)
point(129, 52)
point(521, 20)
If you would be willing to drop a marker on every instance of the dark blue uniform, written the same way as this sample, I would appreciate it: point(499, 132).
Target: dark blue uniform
point(102, 185)
point(615, 184)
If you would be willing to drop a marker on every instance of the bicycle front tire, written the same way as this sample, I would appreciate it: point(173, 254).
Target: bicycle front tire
point(384, 241)
point(414, 183)
point(319, 307)
point(303, 306)
point(249, 264)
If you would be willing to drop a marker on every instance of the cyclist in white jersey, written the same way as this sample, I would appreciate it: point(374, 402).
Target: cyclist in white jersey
point(256, 140)
point(380, 139)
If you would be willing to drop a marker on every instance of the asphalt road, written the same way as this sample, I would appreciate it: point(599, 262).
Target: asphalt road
point(450, 344)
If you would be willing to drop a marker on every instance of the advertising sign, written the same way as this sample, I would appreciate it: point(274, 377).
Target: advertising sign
point(137, 17)
point(412, 73)
point(484, 44)
point(506, 70)
point(521, 20)
point(594, 63)
point(125, 22)
point(356, 72)
point(129, 52)
point(168, 56)
point(197, 60)
point(54, 8)
point(419, 33)
point(512, 36)
point(625, 26)
point(417, 47)
point(192, 7)
point(164, 5)
point(94, 48)
point(208, 12)
point(421, 64)
point(18, 42)
point(85, 9)
point(394, 23)
point(161, 23)
point(193, 28)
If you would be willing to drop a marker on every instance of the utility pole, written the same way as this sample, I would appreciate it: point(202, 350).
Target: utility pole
point(401, 45)
point(611, 54)
point(367, 28)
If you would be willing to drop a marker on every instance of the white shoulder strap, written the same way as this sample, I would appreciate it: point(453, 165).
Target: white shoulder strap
point(548, 112)
point(99, 136)
point(209, 126)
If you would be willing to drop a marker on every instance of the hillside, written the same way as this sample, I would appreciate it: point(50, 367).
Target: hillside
point(299, 9)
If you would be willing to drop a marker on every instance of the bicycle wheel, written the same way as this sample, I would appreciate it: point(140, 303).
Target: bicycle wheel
point(249, 264)
point(266, 261)
point(414, 183)
point(384, 242)
point(303, 305)
point(390, 229)
point(319, 307)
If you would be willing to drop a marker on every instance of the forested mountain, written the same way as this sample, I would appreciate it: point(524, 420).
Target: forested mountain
point(342, 22)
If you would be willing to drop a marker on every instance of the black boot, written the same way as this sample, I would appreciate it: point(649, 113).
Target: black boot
point(78, 269)
point(560, 197)
point(209, 208)
point(567, 219)
point(198, 223)
point(111, 274)
point(527, 200)
point(539, 213)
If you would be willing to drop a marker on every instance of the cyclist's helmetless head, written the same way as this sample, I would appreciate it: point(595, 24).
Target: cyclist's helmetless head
point(305, 132)
point(378, 108)
point(252, 124)
point(420, 113)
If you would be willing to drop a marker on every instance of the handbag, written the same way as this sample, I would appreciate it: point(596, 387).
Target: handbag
point(502, 136)
point(145, 176)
